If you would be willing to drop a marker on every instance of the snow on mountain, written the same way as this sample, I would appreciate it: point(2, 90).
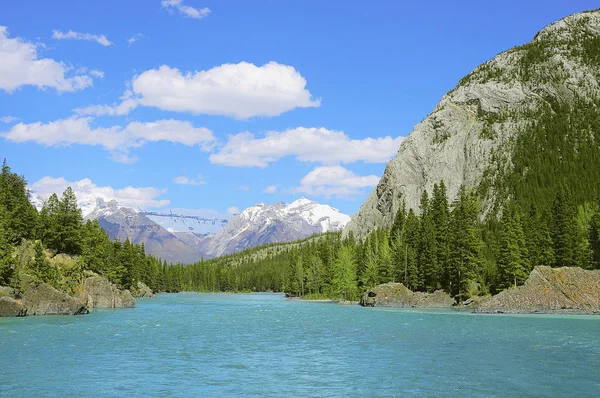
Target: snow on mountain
point(279, 222)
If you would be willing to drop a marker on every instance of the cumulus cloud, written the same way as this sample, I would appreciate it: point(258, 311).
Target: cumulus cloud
point(183, 180)
point(20, 66)
point(233, 210)
point(188, 11)
point(135, 197)
point(306, 144)
point(116, 139)
point(241, 91)
point(335, 181)
point(270, 189)
point(8, 119)
point(71, 35)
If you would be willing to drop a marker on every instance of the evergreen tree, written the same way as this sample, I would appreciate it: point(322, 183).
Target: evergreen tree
point(564, 230)
point(427, 254)
point(440, 214)
point(513, 259)
point(344, 281)
point(466, 244)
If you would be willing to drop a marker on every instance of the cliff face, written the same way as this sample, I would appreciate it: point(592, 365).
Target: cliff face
point(469, 138)
point(548, 290)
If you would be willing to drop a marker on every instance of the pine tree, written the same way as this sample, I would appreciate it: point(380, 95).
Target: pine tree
point(410, 267)
point(513, 259)
point(466, 244)
point(564, 230)
point(344, 281)
point(20, 215)
point(427, 253)
point(440, 214)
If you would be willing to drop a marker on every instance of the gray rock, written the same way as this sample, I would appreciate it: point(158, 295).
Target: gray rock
point(143, 291)
point(398, 295)
point(43, 299)
point(10, 307)
point(98, 292)
point(549, 290)
point(481, 116)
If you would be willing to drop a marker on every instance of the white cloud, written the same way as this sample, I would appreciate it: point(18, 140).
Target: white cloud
point(233, 210)
point(116, 139)
point(241, 90)
point(306, 144)
point(8, 119)
point(135, 197)
point(135, 37)
point(183, 180)
point(336, 181)
point(71, 35)
point(189, 11)
point(21, 66)
point(97, 73)
point(270, 189)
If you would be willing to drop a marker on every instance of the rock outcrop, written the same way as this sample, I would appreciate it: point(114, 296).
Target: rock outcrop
point(471, 132)
point(398, 295)
point(98, 292)
point(9, 307)
point(43, 299)
point(143, 291)
point(549, 290)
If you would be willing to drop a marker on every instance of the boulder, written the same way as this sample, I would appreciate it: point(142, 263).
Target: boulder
point(11, 307)
point(549, 290)
point(143, 291)
point(7, 291)
point(398, 295)
point(98, 292)
point(43, 299)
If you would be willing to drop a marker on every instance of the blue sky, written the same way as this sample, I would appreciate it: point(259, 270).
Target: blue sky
point(218, 105)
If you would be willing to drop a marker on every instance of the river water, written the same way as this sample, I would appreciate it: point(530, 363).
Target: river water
point(264, 345)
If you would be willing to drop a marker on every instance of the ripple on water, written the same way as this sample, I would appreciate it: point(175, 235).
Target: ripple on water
point(264, 345)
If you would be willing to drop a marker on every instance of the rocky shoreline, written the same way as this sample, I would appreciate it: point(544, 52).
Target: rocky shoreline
point(567, 290)
point(42, 299)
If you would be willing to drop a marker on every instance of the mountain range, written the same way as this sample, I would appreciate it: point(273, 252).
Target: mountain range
point(256, 225)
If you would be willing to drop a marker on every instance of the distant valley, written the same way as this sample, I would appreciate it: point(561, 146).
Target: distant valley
point(256, 225)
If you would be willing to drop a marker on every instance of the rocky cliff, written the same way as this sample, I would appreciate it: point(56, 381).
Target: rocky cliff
point(550, 290)
point(98, 292)
point(398, 295)
point(470, 136)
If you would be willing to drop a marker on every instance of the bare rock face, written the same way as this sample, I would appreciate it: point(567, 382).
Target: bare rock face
point(98, 292)
point(550, 290)
point(143, 291)
point(43, 299)
point(482, 117)
point(10, 307)
point(398, 295)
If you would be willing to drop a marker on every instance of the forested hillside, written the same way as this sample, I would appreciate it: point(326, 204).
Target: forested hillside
point(55, 246)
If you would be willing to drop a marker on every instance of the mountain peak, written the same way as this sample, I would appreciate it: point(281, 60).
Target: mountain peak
point(264, 223)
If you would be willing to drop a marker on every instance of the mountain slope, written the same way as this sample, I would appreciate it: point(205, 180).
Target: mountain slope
point(123, 222)
point(279, 222)
point(516, 127)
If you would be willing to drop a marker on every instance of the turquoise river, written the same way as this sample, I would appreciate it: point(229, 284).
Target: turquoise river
point(262, 345)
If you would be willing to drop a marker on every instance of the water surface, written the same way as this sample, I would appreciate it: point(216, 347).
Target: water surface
point(264, 345)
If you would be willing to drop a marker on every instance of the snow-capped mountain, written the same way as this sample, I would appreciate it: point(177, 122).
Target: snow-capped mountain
point(254, 226)
point(279, 222)
point(123, 222)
